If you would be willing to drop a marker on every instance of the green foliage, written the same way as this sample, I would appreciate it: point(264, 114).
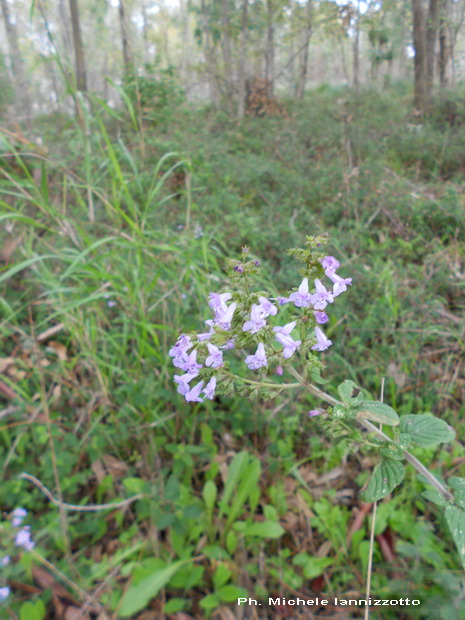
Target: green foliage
point(426, 430)
point(155, 95)
point(121, 240)
point(386, 476)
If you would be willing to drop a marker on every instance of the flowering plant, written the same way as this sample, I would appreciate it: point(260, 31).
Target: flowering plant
point(247, 324)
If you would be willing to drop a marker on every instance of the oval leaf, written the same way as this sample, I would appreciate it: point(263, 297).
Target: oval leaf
point(375, 411)
point(138, 595)
point(267, 529)
point(455, 518)
point(350, 393)
point(426, 430)
point(386, 476)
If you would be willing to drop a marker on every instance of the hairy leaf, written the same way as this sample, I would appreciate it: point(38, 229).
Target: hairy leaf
point(386, 476)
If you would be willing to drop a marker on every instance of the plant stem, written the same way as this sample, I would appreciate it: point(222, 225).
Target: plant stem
point(418, 465)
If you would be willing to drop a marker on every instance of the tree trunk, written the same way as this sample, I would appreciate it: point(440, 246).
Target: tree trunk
point(431, 36)
point(421, 94)
point(356, 51)
point(242, 59)
point(425, 25)
point(127, 56)
point(443, 43)
point(209, 55)
point(16, 63)
point(269, 56)
point(303, 68)
point(81, 78)
point(227, 57)
point(145, 31)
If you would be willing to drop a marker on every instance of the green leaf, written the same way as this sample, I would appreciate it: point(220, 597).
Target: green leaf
point(221, 576)
point(375, 411)
point(231, 542)
point(209, 494)
point(386, 476)
point(230, 593)
point(433, 495)
point(138, 596)
point(316, 567)
point(32, 611)
point(174, 605)
point(209, 602)
point(267, 529)
point(458, 486)
point(426, 430)
point(350, 393)
point(455, 518)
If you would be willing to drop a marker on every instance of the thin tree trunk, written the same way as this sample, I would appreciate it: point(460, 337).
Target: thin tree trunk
point(16, 63)
point(303, 69)
point(356, 51)
point(421, 95)
point(127, 56)
point(269, 57)
point(227, 56)
point(242, 59)
point(431, 36)
point(81, 78)
point(443, 43)
point(209, 55)
point(145, 31)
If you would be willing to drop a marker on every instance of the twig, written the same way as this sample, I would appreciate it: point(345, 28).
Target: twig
point(372, 536)
point(418, 465)
point(65, 506)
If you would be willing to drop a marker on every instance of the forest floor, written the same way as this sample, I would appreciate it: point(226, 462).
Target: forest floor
point(112, 237)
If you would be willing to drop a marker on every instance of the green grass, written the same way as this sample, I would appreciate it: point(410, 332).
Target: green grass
point(122, 235)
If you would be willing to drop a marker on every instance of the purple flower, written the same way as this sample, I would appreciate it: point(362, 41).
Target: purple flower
point(290, 345)
point(218, 302)
point(209, 390)
point(18, 516)
point(322, 343)
point(266, 307)
point(183, 382)
point(340, 284)
point(321, 317)
point(286, 330)
point(256, 320)
point(5, 560)
point(224, 319)
point(205, 335)
point(279, 371)
point(230, 344)
point(301, 298)
point(256, 263)
point(330, 264)
point(314, 412)
point(322, 297)
point(4, 593)
point(283, 300)
point(239, 269)
point(215, 359)
point(182, 345)
point(188, 363)
point(254, 362)
point(23, 539)
point(192, 396)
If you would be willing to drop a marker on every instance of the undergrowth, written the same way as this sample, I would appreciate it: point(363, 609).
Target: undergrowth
point(113, 235)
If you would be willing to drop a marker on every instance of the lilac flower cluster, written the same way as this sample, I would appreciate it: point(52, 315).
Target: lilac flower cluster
point(186, 360)
point(185, 352)
point(23, 536)
point(22, 539)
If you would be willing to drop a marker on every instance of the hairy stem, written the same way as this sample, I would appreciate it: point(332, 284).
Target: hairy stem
point(418, 465)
